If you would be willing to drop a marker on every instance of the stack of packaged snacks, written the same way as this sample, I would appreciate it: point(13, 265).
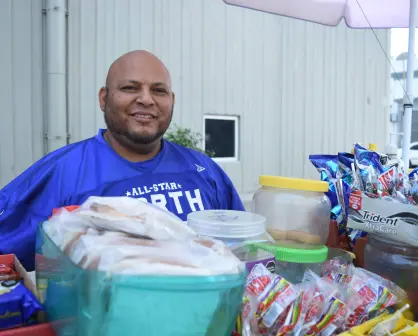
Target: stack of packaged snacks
point(18, 304)
point(341, 299)
point(368, 174)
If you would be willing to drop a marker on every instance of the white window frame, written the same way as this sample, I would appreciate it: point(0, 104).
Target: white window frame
point(223, 117)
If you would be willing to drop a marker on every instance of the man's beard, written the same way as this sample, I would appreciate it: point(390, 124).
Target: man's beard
point(117, 129)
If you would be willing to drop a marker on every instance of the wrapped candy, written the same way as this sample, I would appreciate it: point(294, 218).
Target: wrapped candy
point(343, 298)
point(17, 304)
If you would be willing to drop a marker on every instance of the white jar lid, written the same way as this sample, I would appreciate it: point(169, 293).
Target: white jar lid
point(227, 223)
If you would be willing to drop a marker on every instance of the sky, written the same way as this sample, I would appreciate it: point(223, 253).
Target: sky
point(400, 41)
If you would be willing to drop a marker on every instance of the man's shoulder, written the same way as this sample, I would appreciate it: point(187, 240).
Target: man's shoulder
point(69, 154)
point(51, 171)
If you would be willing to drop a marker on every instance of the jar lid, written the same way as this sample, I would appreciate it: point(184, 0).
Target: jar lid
point(296, 253)
point(293, 183)
point(227, 223)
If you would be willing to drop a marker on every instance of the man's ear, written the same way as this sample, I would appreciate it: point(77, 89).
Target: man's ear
point(173, 97)
point(103, 97)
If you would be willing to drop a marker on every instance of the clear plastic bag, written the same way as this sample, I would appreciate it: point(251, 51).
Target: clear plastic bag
point(168, 258)
point(124, 215)
point(127, 236)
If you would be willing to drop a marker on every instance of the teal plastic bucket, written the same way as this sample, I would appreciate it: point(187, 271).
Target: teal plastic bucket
point(88, 303)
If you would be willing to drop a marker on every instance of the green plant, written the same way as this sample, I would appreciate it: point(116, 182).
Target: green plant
point(187, 138)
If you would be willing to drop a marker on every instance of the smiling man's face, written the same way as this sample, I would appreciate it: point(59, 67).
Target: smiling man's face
point(138, 101)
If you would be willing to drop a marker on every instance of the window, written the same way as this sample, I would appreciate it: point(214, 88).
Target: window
point(221, 137)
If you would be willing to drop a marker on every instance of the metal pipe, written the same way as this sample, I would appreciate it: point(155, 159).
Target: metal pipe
point(56, 135)
point(408, 100)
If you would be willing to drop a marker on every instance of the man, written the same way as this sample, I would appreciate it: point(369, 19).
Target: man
point(130, 158)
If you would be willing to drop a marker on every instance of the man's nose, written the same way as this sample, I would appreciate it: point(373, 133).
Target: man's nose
point(145, 96)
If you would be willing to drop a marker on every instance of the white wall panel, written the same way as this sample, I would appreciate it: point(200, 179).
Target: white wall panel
point(21, 89)
point(298, 88)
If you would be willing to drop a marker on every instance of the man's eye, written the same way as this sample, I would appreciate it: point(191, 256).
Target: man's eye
point(129, 88)
point(160, 90)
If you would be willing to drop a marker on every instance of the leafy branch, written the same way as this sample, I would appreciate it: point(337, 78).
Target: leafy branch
point(187, 138)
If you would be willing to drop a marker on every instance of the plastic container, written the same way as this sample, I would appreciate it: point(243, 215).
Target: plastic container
point(396, 262)
point(239, 230)
point(90, 303)
point(296, 210)
point(292, 263)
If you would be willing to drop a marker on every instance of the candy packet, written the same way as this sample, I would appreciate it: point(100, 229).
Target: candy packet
point(247, 323)
point(344, 164)
point(17, 304)
point(387, 326)
point(339, 301)
point(9, 272)
point(355, 234)
point(377, 294)
point(273, 296)
point(341, 274)
point(258, 280)
point(356, 181)
point(368, 164)
point(364, 158)
point(325, 163)
point(276, 298)
point(293, 318)
point(338, 194)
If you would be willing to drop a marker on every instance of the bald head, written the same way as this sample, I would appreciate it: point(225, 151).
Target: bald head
point(137, 60)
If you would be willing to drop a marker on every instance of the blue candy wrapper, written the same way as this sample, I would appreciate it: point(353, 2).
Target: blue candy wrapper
point(370, 168)
point(327, 163)
point(339, 195)
point(344, 162)
point(17, 304)
point(354, 234)
point(365, 158)
point(413, 172)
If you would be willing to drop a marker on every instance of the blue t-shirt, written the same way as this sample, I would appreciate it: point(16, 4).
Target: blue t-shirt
point(177, 178)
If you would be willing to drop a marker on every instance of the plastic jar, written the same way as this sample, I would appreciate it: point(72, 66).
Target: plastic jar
point(239, 230)
point(296, 209)
point(293, 262)
point(396, 262)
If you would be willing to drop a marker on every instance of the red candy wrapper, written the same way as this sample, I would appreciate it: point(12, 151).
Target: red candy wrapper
point(8, 272)
point(376, 293)
point(345, 297)
point(334, 303)
point(273, 296)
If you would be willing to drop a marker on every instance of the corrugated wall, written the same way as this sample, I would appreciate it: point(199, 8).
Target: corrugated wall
point(298, 88)
point(21, 89)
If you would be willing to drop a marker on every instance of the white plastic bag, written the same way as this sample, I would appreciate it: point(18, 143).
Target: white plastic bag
point(168, 258)
point(127, 236)
point(134, 217)
point(118, 214)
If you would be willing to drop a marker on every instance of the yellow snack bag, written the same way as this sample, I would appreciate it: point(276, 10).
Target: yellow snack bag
point(365, 328)
point(388, 326)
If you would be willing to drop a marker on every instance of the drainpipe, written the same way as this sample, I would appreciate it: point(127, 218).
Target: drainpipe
point(56, 104)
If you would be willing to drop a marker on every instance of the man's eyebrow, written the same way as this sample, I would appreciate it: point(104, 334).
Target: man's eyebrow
point(129, 81)
point(132, 81)
point(161, 84)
